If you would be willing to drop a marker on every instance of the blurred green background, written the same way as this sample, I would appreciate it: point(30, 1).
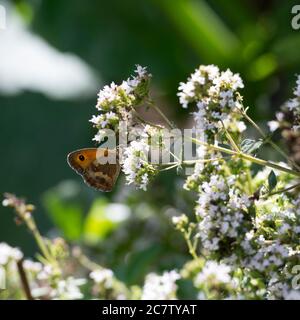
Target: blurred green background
point(171, 38)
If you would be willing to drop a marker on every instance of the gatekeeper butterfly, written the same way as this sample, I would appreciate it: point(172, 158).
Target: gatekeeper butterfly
point(99, 167)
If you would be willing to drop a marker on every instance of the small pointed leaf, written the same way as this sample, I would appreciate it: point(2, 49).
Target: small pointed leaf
point(272, 181)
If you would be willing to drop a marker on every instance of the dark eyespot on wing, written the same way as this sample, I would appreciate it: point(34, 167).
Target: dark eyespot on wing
point(72, 163)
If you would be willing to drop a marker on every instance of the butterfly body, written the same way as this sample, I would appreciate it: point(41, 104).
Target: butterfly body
point(99, 167)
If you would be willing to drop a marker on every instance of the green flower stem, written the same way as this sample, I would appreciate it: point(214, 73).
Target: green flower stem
point(92, 266)
point(145, 121)
point(87, 263)
point(188, 162)
point(169, 166)
point(229, 137)
point(24, 213)
point(281, 191)
point(152, 104)
point(264, 136)
point(191, 247)
point(239, 154)
point(38, 238)
point(244, 156)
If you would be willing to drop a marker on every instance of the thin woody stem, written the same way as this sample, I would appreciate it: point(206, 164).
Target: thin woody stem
point(191, 247)
point(189, 162)
point(282, 190)
point(145, 121)
point(39, 239)
point(24, 280)
point(177, 164)
point(269, 141)
point(87, 263)
point(232, 152)
point(248, 157)
point(153, 105)
point(24, 212)
point(229, 137)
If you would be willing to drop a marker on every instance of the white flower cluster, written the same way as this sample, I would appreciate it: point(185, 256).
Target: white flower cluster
point(107, 286)
point(215, 281)
point(222, 212)
point(279, 223)
point(47, 282)
point(32, 266)
point(215, 94)
point(103, 277)
point(282, 220)
point(259, 236)
point(104, 119)
point(135, 165)
point(268, 257)
point(188, 91)
point(278, 290)
point(213, 272)
point(289, 229)
point(68, 289)
point(114, 96)
point(43, 278)
point(221, 209)
point(7, 254)
point(115, 102)
point(180, 221)
point(195, 179)
point(162, 287)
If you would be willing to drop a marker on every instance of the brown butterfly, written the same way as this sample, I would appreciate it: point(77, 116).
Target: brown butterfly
point(99, 167)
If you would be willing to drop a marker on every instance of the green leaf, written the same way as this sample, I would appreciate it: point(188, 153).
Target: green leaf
point(272, 181)
point(64, 208)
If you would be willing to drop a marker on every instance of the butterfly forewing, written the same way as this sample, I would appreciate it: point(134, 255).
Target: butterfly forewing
point(98, 167)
